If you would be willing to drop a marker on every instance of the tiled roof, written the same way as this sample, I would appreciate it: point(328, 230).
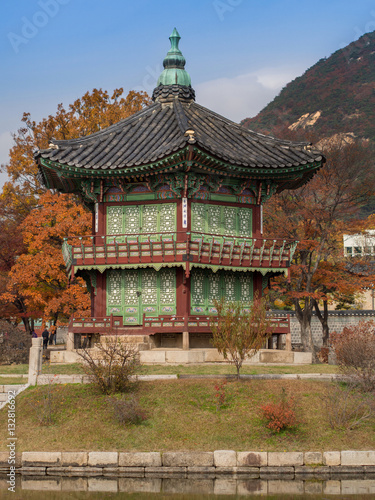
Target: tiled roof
point(160, 129)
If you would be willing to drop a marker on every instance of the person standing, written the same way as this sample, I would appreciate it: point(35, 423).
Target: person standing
point(45, 336)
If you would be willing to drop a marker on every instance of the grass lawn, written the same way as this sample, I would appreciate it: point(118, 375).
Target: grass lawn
point(12, 380)
point(182, 415)
point(199, 369)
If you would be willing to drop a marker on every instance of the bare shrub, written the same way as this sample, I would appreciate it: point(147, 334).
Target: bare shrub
point(111, 364)
point(355, 353)
point(240, 330)
point(346, 407)
point(127, 409)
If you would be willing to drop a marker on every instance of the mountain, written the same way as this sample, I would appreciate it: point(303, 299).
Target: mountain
point(336, 95)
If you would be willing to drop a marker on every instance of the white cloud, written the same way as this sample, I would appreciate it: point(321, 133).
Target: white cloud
point(244, 95)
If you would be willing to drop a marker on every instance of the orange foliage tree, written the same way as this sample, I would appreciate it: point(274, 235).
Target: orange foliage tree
point(317, 215)
point(36, 286)
point(39, 275)
point(91, 113)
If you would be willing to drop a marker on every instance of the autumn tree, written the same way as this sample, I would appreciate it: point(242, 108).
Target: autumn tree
point(21, 196)
point(91, 113)
point(317, 215)
point(240, 330)
point(39, 274)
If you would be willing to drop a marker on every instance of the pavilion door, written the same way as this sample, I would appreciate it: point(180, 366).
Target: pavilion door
point(207, 286)
point(150, 292)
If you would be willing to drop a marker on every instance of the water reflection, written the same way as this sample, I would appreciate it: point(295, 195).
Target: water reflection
point(28, 487)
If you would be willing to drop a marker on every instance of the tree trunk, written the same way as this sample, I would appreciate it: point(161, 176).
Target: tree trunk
point(323, 318)
point(304, 317)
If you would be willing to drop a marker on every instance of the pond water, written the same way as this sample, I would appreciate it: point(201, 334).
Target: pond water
point(153, 488)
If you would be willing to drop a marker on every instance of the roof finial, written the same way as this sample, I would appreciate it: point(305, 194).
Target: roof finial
point(174, 71)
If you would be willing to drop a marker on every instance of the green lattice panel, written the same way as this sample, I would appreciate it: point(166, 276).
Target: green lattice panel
point(114, 293)
point(167, 216)
point(132, 312)
point(167, 294)
point(149, 292)
point(245, 222)
point(214, 290)
point(132, 219)
point(198, 296)
point(114, 222)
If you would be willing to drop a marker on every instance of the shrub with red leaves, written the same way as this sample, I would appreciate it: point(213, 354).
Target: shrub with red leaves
point(281, 415)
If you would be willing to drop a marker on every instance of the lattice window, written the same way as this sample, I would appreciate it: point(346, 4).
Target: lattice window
point(114, 220)
point(197, 294)
point(213, 287)
point(214, 219)
point(167, 217)
point(149, 286)
point(150, 219)
point(246, 287)
point(230, 286)
point(245, 222)
point(230, 220)
point(114, 288)
point(198, 217)
point(167, 286)
point(132, 219)
point(131, 286)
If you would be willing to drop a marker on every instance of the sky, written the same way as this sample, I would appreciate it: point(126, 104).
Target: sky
point(239, 53)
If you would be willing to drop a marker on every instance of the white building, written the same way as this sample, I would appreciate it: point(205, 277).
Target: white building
point(359, 244)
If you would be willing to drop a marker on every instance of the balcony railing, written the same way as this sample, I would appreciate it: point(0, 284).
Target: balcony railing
point(111, 325)
point(203, 248)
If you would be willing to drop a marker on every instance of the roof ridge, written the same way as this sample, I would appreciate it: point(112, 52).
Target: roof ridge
point(108, 130)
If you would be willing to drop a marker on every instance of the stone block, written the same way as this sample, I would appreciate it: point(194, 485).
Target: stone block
point(225, 458)
point(140, 459)
point(357, 457)
point(358, 487)
point(41, 458)
point(282, 459)
point(73, 458)
point(302, 358)
point(165, 470)
point(85, 471)
point(213, 356)
point(313, 488)
point(252, 487)
point(347, 469)
point(331, 458)
point(74, 484)
point(152, 356)
point(103, 459)
point(312, 458)
point(130, 471)
point(252, 459)
point(332, 487)
point(144, 485)
point(201, 470)
point(102, 484)
point(275, 356)
point(4, 457)
point(33, 471)
point(225, 487)
point(188, 486)
point(188, 459)
point(276, 470)
point(279, 487)
point(46, 484)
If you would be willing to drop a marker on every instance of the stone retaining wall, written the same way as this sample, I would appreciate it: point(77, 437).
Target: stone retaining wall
point(186, 463)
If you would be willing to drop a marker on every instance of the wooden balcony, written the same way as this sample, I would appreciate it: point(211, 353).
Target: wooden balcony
point(113, 325)
point(200, 248)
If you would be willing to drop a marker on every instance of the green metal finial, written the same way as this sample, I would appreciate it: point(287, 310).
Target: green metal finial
point(174, 65)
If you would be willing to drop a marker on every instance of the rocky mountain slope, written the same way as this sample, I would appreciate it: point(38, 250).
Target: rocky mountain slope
point(336, 95)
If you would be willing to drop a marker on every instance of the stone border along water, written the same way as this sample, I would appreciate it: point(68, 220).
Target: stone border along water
point(184, 464)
